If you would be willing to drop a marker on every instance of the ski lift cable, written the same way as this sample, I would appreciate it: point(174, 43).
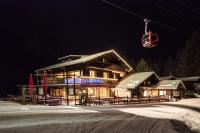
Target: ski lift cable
point(124, 9)
point(172, 8)
point(175, 10)
point(166, 10)
point(189, 7)
point(141, 17)
point(160, 5)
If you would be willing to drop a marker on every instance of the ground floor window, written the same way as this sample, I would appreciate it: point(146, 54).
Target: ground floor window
point(57, 92)
point(71, 91)
point(146, 93)
point(91, 91)
point(176, 93)
point(154, 92)
point(169, 92)
point(40, 91)
point(99, 91)
point(162, 93)
point(135, 92)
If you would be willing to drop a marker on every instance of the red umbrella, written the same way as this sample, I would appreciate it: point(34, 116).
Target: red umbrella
point(30, 84)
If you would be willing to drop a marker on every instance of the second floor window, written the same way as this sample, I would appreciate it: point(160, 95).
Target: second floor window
point(117, 75)
point(100, 74)
point(86, 72)
point(105, 74)
point(111, 75)
point(92, 73)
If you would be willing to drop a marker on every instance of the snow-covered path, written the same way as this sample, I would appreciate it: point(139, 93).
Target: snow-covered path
point(163, 117)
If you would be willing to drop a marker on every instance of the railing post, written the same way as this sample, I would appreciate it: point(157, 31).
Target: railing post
point(90, 99)
point(67, 100)
point(149, 99)
point(75, 100)
point(99, 100)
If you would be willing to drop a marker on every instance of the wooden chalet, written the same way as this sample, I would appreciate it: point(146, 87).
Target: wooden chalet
point(147, 84)
point(93, 75)
point(191, 83)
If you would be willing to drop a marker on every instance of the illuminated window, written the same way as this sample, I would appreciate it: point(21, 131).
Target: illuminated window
point(57, 92)
point(103, 92)
point(162, 93)
point(59, 75)
point(122, 74)
point(105, 60)
point(76, 73)
point(105, 74)
point(154, 92)
point(146, 93)
point(92, 73)
point(91, 91)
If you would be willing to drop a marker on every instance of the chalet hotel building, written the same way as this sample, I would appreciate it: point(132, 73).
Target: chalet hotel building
point(94, 75)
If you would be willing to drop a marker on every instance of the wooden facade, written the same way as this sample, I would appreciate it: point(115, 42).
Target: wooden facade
point(148, 84)
point(91, 75)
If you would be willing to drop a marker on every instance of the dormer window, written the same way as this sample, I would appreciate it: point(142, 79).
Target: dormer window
point(105, 60)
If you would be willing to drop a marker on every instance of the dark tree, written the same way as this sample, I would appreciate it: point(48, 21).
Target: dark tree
point(156, 67)
point(169, 67)
point(143, 66)
point(188, 62)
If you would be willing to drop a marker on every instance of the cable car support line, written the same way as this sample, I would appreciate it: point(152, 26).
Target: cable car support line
point(143, 18)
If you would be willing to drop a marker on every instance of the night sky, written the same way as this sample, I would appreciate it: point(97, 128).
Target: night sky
point(35, 33)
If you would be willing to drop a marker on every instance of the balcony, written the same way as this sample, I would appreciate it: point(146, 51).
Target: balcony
point(82, 81)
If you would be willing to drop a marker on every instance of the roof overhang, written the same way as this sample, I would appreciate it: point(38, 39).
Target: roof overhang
point(169, 85)
point(136, 79)
point(84, 60)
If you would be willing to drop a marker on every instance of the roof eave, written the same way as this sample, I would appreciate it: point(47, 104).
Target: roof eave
point(125, 62)
point(105, 52)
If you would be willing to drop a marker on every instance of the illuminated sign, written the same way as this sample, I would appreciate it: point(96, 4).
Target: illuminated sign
point(84, 81)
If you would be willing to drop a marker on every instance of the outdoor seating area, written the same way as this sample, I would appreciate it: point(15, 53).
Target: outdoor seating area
point(53, 101)
point(121, 100)
point(50, 100)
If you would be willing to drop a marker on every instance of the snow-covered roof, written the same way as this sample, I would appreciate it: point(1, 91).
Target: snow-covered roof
point(71, 56)
point(135, 79)
point(85, 59)
point(169, 84)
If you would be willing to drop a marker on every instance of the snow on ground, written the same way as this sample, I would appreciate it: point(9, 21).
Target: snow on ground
point(169, 117)
point(190, 117)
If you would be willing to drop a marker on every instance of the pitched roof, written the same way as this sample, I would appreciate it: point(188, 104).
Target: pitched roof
point(69, 56)
point(134, 80)
point(85, 59)
point(192, 79)
point(169, 84)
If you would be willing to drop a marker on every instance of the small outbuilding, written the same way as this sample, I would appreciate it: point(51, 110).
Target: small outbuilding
point(147, 84)
point(191, 83)
point(170, 88)
point(135, 84)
